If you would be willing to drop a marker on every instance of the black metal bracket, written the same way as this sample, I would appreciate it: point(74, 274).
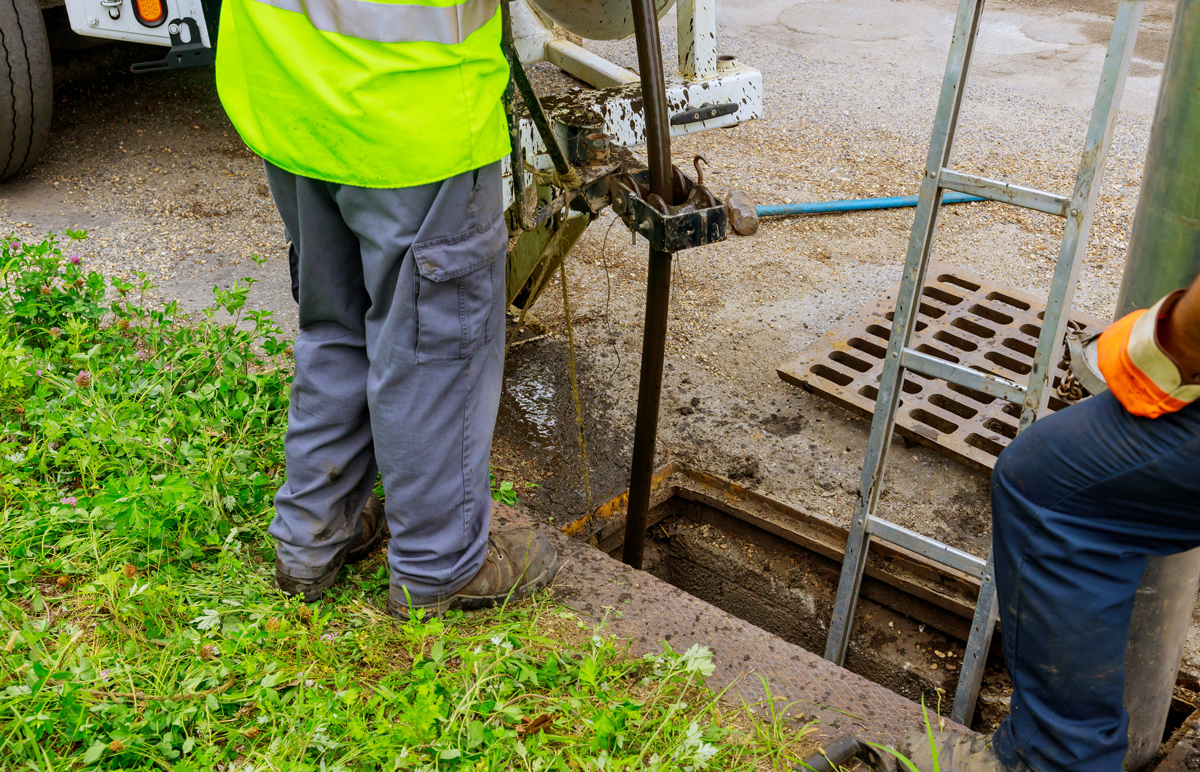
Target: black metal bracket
point(703, 113)
point(190, 54)
point(700, 220)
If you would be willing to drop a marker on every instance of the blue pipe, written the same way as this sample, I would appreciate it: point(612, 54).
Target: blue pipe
point(858, 204)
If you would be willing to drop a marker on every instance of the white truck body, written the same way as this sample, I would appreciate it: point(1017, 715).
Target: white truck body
point(116, 20)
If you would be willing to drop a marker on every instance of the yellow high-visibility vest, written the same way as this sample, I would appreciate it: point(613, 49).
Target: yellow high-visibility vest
point(363, 92)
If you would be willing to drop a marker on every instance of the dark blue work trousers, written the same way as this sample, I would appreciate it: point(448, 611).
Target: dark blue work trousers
point(1079, 502)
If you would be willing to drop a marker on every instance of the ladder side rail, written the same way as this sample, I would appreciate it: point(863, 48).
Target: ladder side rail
point(966, 28)
point(979, 643)
point(1083, 206)
point(1058, 304)
point(887, 401)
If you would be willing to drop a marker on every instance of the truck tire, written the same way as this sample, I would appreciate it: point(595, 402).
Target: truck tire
point(26, 86)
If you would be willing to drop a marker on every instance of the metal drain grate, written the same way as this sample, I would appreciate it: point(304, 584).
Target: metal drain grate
point(963, 318)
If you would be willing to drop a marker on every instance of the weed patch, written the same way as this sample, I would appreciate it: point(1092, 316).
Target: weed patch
point(139, 454)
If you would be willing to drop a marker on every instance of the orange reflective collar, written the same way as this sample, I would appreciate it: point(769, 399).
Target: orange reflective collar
point(1143, 378)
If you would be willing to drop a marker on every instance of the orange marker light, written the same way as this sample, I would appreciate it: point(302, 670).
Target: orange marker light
point(150, 13)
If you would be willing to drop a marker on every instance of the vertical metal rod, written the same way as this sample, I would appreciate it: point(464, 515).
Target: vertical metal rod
point(654, 98)
point(941, 143)
point(1164, 254)
point(645, 431)
point(658, 283)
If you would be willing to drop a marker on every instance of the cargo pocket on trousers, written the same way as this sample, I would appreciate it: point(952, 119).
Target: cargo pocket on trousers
point(459, 278)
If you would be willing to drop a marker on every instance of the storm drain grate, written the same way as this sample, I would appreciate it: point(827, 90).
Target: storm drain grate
point(963, 318)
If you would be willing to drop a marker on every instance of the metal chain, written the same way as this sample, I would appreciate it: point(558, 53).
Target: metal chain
point(1069, 388)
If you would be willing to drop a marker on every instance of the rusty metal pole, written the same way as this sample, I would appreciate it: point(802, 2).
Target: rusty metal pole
point(1164, 255)
point(658, 282)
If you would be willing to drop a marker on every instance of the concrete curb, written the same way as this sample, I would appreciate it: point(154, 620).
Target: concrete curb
point(646, 611)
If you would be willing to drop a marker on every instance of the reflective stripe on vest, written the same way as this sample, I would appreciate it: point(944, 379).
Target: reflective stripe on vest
point(393, 22)
point(372, 94)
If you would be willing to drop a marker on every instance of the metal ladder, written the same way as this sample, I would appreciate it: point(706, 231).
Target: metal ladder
point(1077, 210)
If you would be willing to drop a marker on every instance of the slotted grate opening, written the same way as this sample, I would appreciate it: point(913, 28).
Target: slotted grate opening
point(962, 318)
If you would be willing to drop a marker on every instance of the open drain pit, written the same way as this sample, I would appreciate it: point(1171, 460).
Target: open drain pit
point(777, 567)
point(771, 584)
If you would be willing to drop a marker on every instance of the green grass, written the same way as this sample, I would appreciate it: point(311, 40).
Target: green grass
point(139, 453)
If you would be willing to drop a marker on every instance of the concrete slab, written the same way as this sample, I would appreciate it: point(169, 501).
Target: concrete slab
point(1051, 49)
point(647, 611)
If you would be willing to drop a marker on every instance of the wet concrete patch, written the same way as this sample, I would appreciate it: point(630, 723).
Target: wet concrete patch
point(537, 439)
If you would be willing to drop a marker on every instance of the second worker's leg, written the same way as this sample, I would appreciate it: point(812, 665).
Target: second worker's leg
point(435, 335)
point(323, 516)
point(1079, 501)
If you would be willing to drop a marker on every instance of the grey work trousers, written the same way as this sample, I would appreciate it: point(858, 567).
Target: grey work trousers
point(399, 364)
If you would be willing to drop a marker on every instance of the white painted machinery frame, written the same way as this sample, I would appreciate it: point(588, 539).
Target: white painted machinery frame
point(536, 38)
point(703, 78)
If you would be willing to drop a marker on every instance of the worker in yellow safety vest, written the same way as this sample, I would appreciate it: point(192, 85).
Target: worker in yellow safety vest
point(382, 130)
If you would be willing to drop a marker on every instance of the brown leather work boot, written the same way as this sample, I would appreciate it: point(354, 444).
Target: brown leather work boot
point(374, 528)
point(518, 562)
point(956, 753)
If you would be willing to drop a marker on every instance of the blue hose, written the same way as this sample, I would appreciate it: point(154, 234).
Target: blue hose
point(858, 204)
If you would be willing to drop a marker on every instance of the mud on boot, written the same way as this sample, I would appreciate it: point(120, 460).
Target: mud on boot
point(956, 753)
point(374, 529)
point(518, 563)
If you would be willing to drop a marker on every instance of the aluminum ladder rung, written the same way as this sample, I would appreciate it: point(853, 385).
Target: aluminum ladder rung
point(936, 367)
point(1004, 192)
point(923, 545)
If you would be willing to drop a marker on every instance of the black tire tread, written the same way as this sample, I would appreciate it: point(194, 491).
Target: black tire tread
point(26, 86)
